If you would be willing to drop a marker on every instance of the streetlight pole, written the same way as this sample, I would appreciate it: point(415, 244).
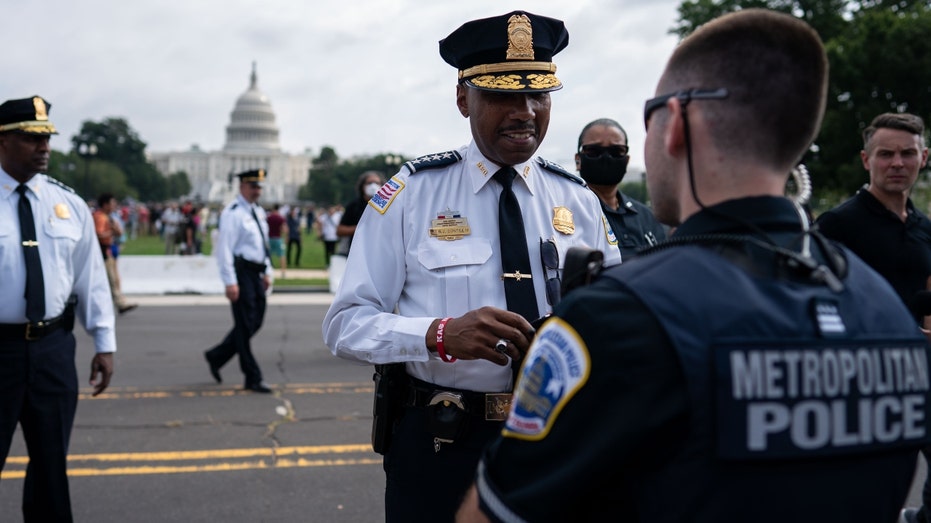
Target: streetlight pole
point(86, 150)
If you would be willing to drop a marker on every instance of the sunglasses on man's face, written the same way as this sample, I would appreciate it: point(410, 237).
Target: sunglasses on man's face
point(684, 97)
point(594, 151)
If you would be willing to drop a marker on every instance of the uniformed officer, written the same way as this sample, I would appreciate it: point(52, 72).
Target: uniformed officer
point(437, 277)
point(602, 162)
point(52, 269)
point(747, 369)
point(246, 271)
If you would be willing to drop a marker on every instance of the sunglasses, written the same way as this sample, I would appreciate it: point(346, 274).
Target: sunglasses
point(549, 256)
point(684, 97)
point(594, 151)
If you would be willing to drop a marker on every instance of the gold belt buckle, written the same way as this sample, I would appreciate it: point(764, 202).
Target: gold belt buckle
point(497, 406)
point(29, 336)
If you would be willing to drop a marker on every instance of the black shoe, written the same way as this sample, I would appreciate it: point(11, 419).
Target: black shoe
point(258, 387)
point(214, 370)
point(126, 308)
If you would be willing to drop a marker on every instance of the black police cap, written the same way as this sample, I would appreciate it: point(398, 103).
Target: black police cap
point(256, 176)
point(507, 53)
point(26, 115)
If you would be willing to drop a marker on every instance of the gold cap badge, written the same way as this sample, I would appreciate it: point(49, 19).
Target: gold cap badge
point(520, 38)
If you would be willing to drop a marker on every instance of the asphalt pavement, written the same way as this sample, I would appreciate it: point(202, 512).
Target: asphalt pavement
point(167, 443)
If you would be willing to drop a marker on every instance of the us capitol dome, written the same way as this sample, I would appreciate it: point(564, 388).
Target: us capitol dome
point(251, 143)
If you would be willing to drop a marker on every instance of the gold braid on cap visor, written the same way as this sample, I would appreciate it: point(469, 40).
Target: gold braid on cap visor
point(484, 77)
point(30, 127)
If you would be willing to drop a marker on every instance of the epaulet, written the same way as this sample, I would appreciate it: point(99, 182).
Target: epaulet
point(433, 161)
point(53, 181)
point(558, 169)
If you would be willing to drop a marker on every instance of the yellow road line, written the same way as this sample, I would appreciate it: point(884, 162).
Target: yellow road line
point(276, 460)
point(229, 390)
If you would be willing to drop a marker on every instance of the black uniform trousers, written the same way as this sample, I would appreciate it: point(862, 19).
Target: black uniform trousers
point(248, 314)
point(39, 390)
point(423, 485)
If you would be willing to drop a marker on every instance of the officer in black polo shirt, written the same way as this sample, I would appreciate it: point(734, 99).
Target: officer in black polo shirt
point(880, 223)
point(602, 162)
point(745, 370)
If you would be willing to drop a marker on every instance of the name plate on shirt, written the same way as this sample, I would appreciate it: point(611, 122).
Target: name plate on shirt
point(816, 400)
point(450, 226)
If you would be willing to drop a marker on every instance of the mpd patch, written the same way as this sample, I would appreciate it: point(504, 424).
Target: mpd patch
point(557, 366)
point(386, 194)
point(609, 232)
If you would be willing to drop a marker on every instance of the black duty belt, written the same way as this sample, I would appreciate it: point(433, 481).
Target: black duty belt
point(242, 262)
point(35, 331)
point(491, 406)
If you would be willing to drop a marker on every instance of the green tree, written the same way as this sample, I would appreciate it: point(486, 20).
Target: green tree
point(89, 176)
point(876, 50)
point(178, 184)
point(116, 142)
point(333, 181)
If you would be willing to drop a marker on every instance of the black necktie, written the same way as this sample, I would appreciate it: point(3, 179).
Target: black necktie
point(261, 233)
point(515, 259)
point(35, 285)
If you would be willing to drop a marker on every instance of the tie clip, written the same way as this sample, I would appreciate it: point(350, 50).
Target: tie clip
point(516, 275)
point(30, 243)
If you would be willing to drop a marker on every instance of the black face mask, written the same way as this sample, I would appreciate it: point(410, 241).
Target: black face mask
point(603, 170)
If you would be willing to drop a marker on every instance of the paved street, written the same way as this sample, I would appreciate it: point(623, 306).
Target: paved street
point(165, 443)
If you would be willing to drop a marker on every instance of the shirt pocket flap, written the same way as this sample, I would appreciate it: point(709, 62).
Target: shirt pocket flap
point(436, 255)
point(57, 228)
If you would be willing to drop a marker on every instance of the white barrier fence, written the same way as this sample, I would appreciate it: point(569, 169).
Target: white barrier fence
point(196, 274)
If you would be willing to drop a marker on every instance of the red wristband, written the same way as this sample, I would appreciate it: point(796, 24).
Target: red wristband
point(440, 347)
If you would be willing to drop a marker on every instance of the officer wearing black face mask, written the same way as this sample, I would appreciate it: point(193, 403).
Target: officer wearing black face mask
point(602, 162)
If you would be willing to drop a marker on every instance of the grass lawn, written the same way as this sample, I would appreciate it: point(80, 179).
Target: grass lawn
point(311, 255)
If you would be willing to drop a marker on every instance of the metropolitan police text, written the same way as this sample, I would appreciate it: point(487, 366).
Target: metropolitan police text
point(814, 393)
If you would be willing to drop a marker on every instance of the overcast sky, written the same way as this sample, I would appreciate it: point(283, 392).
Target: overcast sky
point(362, 76)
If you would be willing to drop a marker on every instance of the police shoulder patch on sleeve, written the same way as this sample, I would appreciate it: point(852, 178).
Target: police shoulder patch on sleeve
point(609, 231)
point(554, 167)
point(382, 199)
point(433, 161)
point(57, 183)
point(557, 366)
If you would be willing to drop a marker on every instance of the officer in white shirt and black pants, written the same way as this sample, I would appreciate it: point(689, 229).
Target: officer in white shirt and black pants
point(246, 271)
point(52, 270)
point(447, 271)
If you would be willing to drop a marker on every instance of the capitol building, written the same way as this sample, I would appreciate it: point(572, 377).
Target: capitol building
point(251, 143)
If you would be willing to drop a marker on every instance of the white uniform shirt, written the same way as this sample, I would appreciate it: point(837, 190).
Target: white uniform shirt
point(399, 278)
point(70, 256)
point(328, 224)
point(240, 235)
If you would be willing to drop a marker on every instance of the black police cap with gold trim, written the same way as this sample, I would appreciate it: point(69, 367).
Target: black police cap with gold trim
point(507, 53)
point(26, 115)
point(256, 176)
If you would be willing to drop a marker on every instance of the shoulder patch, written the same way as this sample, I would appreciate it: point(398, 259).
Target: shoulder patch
point(432, 161)
point(554, 167)
point(388, 192)
point(557, 366)
point(53, 181)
